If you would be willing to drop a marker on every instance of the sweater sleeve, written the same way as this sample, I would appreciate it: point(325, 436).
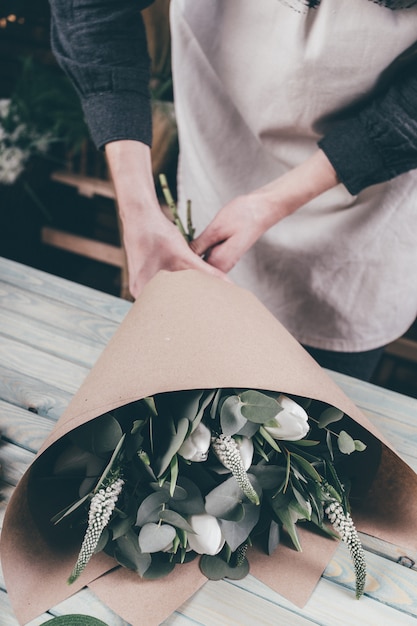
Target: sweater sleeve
point(380, 141)
point(101, 45)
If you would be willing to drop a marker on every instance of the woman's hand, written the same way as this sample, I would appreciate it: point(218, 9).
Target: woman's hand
point(239, 224)
point(151, 241)
point(154, 244)
point(234, 230)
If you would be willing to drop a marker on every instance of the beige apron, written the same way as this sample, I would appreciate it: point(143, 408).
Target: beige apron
point(256, 85)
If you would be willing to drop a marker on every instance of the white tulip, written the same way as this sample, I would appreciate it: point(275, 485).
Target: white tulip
point(291, 423)
point(208, 537)
point(196, 446)
point(245, 446)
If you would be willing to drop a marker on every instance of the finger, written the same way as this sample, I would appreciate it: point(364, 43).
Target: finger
point(207, 239)
point(201, 265)
point(224, 256)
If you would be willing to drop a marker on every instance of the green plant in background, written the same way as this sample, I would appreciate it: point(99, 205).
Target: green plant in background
point(42, 113)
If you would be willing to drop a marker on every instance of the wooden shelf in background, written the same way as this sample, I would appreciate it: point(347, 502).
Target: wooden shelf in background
point(77, 244)
point(85, 185)
point(91, 248)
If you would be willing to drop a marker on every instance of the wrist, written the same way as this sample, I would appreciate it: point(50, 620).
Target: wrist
point(131, 171)
point(297, 187)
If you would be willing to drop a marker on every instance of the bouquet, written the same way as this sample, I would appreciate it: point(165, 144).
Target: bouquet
point(207, 472)
point(204, 439)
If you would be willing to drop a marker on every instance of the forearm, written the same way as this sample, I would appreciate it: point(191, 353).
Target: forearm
point(131, 170)
point(292, 190)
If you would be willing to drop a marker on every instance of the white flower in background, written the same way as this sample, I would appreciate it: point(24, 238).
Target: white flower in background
point(19, 134)
point(18, 142)
point(291, 423)
point(208, 537)
point(4, 107)
point(196, 446)
point(41, 143)
point(12, 163)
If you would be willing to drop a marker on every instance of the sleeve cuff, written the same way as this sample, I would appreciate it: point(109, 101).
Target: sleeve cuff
point(117, 116)
point(356, 159)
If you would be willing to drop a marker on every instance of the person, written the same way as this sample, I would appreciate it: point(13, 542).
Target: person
point(298, 149)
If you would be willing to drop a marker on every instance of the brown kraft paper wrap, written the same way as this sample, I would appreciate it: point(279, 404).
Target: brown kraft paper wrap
point(189, 330)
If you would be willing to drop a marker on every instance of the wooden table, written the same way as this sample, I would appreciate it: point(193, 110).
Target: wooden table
point(51, 333)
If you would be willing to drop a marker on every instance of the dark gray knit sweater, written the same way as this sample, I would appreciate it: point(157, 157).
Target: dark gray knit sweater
point(101, 44)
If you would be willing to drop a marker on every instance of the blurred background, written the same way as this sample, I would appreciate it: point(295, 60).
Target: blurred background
point(57, 206)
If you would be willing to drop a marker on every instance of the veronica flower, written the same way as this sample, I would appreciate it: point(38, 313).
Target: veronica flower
point(101, 508)
point(227, 451)
point(343, 524)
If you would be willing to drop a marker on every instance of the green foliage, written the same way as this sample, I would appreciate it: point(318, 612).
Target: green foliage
point(215, 568)
point(149, 531)
point(45, 100)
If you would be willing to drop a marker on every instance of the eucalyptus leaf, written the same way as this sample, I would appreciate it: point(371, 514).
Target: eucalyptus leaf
point(161, 566)
point(236, 533)
point(268, 476)
point(258, 407)
point(215, 568)
point(156, 537)
point(223, 499)
point(179, 492)
point(193, 503)
point(121, 525)
point(113, 462)
point(248, 430)
point(345, 443)
point(128, 554)
point(236, 515)
point(150, 507)
point(330, 415)
point(175, 519)
point(231, 418)
point(99, 436)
